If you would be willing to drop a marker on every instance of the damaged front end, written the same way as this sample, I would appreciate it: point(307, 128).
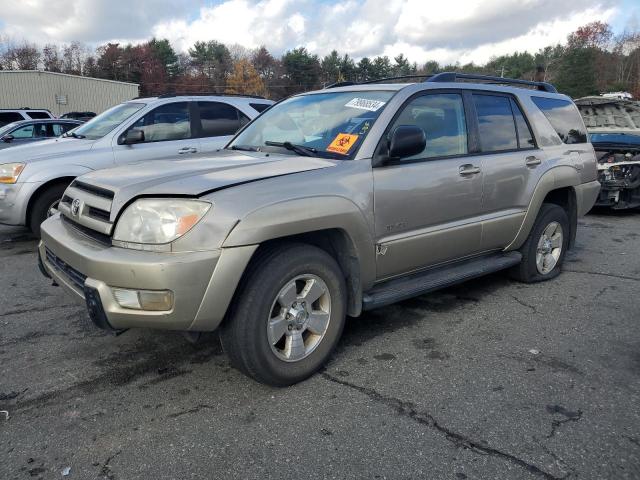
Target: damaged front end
point(614, 128)
point(619, 176)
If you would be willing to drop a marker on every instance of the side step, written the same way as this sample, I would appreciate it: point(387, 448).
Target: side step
point(399, 289)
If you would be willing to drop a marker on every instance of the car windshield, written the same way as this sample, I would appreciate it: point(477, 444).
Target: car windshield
point(99, 126)
point(329, 125)
point(7, 128)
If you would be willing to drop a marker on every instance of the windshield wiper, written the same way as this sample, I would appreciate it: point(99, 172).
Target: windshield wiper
point(299, 149)
point(73, 134)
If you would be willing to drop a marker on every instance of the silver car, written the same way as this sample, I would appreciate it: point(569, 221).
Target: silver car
point(29, 131)
point(33, 177)
point(330, 203)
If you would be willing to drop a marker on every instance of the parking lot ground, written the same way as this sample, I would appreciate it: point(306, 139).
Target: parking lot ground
point(489, 379)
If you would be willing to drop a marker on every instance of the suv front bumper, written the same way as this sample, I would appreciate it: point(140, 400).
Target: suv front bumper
point(202, 283)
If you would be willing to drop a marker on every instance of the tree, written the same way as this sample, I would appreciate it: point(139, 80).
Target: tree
point(576, 75)
point(245, 80)
point(301, 69)
point(165, 54)
point(212, 59)
point(25, 56)
point(51, 58)
point(364, 70)
point(381, 67)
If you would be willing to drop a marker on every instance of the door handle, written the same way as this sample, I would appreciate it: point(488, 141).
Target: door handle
point(468, 169)
point(187, 150)
point(532, 161)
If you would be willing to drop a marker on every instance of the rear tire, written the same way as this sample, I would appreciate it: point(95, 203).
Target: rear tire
point(288, 315)
point(544, 250)
point(45, 200)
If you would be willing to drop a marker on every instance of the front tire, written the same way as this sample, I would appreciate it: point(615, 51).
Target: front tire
point(288, 315)
point(544, 250)
point(43, 205)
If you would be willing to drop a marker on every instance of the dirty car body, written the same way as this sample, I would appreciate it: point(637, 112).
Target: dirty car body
point(614, 127)
point(330, 203)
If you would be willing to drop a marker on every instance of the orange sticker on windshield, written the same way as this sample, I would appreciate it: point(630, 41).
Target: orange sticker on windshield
point(342, 143)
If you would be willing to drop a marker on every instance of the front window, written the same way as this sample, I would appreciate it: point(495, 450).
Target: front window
point(104, 123)
point(331, 125)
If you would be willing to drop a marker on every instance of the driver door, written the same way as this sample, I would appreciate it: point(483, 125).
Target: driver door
point(427, 207)
point(168, 132)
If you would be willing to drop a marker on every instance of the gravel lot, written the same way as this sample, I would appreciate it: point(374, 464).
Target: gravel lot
point(490, 379)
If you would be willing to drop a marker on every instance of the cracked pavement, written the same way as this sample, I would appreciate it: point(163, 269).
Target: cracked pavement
point(490, 379)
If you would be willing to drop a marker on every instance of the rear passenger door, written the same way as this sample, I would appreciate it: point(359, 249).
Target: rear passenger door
point(168, 132)
point(510, 161)
point(427, 207)
point(217, 123)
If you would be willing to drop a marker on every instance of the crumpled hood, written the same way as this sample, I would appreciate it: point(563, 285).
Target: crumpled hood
point(196, 176)
point(44, 150)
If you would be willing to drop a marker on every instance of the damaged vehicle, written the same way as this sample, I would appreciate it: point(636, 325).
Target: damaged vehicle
point(330, 203)
point(614, 128)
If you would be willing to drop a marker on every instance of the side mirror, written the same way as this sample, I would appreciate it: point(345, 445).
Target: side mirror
point(132, 136)
point(406, 141)
point(8, 138)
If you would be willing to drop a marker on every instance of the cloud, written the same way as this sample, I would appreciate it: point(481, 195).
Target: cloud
point(455, 30)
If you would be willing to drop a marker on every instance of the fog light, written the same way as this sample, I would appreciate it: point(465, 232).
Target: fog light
point(155, 300)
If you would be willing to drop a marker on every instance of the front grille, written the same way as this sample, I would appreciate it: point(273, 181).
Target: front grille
point(97, 236)
point(99, 214)
point(71, 273)
point(100, 192)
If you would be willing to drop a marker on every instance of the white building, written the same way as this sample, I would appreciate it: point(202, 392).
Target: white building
point(61, 93)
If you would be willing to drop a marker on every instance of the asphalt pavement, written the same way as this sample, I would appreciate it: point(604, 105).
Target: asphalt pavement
point(491, 379)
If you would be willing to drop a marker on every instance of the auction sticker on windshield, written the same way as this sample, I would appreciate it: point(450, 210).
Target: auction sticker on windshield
point(365, 104)
point(342, 143)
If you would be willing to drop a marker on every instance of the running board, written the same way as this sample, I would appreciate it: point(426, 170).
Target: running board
point(399, 289)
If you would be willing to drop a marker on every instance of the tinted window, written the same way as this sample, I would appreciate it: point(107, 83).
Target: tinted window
point(525, 137)
point(260, 107)
point(23, 132)
point(564, 118)
point(167, 122)
point(219, 119)
point(442, 118)
point(38, 115)
point(495, 122)
point(8, 117)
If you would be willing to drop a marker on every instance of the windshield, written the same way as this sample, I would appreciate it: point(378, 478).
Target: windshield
point(331, 125)
point(7, 128)
point(99, 126)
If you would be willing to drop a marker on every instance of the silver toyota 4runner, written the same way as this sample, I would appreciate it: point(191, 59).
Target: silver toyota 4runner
point(330, 203)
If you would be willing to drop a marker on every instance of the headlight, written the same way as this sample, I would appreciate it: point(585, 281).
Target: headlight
point(9, 172)
point(157, 221)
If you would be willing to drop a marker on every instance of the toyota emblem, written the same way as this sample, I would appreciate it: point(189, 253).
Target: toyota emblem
point(75, 207)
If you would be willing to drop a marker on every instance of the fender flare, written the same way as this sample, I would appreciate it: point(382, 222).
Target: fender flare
point(561, 176)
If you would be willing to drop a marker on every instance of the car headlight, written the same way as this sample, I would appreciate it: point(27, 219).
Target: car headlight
point(9, 172)
point(155, 221)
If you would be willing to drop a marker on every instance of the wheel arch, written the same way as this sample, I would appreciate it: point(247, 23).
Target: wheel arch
point(556, 186)
point(45, 186)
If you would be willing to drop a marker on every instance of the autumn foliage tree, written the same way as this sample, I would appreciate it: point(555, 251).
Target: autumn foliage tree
point(245, 80)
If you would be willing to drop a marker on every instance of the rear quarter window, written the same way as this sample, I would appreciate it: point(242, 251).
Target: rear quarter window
point(38, 115)
point(564, 118)
point(260, 107)
point(9, 117)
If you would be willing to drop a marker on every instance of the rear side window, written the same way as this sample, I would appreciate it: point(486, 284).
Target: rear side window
point(219, 119)
point(260, 107)
point(38, 115)
point(9, 117)
point(442, 118)
point(564, 118)
point(496, 125)
point(525, 137)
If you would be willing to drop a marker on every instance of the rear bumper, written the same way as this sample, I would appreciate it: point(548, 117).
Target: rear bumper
point(203, 283)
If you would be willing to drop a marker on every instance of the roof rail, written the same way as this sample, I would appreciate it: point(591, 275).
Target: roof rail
point(451, 77)
point(377, 80)
point(209, 94)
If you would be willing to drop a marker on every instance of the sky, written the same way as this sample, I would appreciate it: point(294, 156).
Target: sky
point(446, 31)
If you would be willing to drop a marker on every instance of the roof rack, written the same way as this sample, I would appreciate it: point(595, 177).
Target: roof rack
point(209, 94)
point(450, 77)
